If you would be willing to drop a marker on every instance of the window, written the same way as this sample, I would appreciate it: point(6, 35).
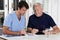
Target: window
point(1, 4)
point(1, 12)
point(15, 2)
point(1, 18)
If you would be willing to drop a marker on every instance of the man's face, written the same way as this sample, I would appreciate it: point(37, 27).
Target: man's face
point(22, 11)
point(37, 10)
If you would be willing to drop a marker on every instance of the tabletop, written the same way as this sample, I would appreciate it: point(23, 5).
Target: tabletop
point(33, 37)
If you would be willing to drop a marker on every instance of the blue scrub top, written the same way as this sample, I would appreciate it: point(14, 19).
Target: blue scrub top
point(12, 22)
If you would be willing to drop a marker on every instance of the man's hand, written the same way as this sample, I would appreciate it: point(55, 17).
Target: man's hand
point(22, 32)
point(34, 31)
point(50, 32)
point(46, 32)
point(29, 30)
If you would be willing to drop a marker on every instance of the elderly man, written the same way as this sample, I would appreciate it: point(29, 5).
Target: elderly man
point(39, 22)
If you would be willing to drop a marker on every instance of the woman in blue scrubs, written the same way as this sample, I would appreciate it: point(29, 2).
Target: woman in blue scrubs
point(14, 23)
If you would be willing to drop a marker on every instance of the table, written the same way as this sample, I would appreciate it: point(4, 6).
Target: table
point(34, 37)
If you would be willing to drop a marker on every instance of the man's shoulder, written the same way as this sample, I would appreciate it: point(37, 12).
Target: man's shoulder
point(11, 14)
point(47, 15)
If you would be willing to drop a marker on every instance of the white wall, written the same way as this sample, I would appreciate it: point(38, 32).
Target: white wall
point(5, 8)
point(54, 8)
point(58, 13)
point(10, 6)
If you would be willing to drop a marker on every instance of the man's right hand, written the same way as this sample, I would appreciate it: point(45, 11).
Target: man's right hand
point(22, 32)
point(34, 31)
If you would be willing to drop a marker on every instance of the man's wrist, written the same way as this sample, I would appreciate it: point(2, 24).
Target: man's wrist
point(18, 33)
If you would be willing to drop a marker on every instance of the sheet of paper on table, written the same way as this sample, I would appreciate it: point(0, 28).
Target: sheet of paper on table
point(34, 37)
